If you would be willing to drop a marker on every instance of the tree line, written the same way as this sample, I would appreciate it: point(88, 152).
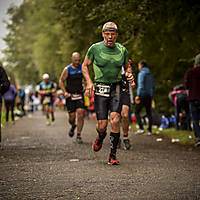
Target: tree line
point(44, 33)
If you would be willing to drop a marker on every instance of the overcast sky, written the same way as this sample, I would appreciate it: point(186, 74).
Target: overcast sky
point(4, 5)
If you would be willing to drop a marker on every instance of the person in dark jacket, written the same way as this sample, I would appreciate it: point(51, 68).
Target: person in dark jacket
point(192, 85)
point(9, 99)
point(4, 86)
point(145, 92)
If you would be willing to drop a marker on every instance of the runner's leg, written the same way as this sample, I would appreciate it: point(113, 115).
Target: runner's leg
point(47, 114)
point(80, 120)
point(125, 127)
point(125, 120)
point(72, 118)
point(115, 132)
point(51, 108)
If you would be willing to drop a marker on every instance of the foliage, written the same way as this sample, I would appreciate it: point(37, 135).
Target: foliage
point(34, 41)
point(44, 33)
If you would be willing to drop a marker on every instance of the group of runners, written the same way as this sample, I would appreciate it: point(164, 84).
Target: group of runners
point(113, 79)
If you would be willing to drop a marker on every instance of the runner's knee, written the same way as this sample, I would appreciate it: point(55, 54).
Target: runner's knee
point(114, 119)
point(72, 117)
point(80, 114)
point(124, 114)
point(102, 125)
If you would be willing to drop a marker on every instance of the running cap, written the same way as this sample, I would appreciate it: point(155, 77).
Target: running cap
point(45, 76)
point(110, 26)
point(197, 60)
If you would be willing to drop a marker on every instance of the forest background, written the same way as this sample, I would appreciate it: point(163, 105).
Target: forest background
point(44, 33)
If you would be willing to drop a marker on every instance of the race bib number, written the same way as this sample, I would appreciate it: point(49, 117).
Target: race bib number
point(46, 100)
point(102, 90)
point(76, 97)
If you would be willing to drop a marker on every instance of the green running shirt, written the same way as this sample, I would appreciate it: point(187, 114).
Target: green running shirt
point(107, 61)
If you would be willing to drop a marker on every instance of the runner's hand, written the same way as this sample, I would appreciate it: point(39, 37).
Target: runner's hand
point(88, 90)
point(67, 95)
point(130, 79)
point(133, 84)
point(137, 99)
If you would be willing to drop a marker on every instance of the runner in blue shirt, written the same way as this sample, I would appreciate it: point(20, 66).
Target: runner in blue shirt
point(73, 92)
point(46, 91)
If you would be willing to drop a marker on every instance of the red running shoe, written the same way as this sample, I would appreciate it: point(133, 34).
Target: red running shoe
point(113, 160)
point(97, 144)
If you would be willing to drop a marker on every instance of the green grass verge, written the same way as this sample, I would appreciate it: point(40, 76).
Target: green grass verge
point(3, 118)
point(184, 137)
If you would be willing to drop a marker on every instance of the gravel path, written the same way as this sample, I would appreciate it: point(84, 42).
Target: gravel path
point(42, 162)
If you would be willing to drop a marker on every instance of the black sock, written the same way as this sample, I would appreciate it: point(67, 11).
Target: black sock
point(114, 140)
point(78, 135)
point(52, 117)
point(73, 127)
point(102, 135)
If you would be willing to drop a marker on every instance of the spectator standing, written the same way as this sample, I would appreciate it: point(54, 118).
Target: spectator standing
point(179, 98)
point(192, 85)
point(4, 86)
point(60, 99)
point(30, 101)
point(21, 94)
point(9, 99)
point(36, 102)
point(145, 92)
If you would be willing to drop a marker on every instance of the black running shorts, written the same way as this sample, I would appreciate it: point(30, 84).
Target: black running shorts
point(125, 98)
point(72, 105)
point(107, 98)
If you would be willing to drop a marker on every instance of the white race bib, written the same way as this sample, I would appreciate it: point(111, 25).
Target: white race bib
point(76, 97)
point(102, 90)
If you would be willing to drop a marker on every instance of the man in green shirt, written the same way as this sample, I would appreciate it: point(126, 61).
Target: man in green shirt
point(107, 58)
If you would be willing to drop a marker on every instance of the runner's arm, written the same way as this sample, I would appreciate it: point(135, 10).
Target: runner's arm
point(129, 74)
point(63, 77)
point(89, 84)
point(41, 92)
point(53, 89)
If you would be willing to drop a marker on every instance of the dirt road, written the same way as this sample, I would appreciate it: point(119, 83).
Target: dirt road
point(42, 162)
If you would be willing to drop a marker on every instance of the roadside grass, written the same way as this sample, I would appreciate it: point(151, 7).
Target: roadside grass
point(182, 136)
point(3, 118)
